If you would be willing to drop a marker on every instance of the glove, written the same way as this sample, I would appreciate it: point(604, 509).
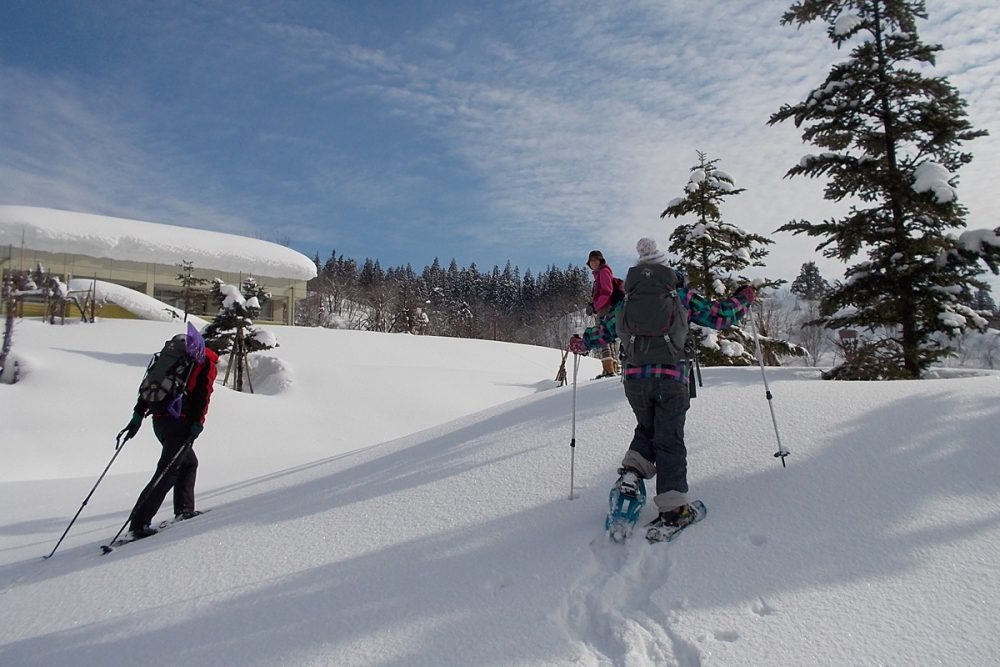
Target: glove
point(577, 346)
point(747, 292)
point(590, 309)
point(132, 428)
point(196, 430)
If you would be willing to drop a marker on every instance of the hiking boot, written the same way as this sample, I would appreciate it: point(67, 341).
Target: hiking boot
point(140, 532)
point(187, 515)
point(629, 481)
point(675, 518)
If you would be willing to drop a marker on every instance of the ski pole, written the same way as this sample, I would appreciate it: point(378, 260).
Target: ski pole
point(691, 352)
point(118, 448)
point(782, 452)
point(572, 442)
point(108, 548)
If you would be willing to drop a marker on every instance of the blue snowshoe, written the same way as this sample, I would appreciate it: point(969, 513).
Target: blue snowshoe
point(626, 500)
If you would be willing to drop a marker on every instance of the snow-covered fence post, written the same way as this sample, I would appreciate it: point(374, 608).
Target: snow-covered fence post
point(238, 358)
point(57, 293)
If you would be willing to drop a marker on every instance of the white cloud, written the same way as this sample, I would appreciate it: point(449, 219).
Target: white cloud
point(76, 145)
point(577, 122)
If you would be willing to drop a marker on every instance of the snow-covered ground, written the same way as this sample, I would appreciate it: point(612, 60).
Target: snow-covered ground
point(400, 500)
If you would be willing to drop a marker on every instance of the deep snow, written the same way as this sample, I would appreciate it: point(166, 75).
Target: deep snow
point(401, 500)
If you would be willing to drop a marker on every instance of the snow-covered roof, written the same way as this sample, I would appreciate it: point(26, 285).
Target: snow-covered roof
point(55, 231)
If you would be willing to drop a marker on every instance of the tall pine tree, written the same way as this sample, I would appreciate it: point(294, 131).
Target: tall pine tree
point(809, 284)
point(189, 286)
point(891, 140)
point(712, 253)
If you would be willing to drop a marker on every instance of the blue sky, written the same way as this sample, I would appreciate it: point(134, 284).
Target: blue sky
point(481, 131)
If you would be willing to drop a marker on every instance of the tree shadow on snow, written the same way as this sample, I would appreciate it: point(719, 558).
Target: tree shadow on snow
point(123, 358)
point(867, 497)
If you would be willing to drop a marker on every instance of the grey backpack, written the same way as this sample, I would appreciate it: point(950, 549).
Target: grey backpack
point(164, 385)
point(653, 326)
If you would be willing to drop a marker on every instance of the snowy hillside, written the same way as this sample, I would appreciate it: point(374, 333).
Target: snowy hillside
point(399, 500)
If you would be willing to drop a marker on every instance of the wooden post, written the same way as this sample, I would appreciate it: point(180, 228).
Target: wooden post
point(561, 373)
point(238, 359)
point(246, 364)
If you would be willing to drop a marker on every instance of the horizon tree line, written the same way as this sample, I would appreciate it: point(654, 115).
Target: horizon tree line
point(499, 304)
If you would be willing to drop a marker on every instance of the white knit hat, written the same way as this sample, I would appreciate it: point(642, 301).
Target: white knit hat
point(649, 253)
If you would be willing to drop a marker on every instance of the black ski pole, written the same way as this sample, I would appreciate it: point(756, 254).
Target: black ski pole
point(108, 548)
point(118, 448)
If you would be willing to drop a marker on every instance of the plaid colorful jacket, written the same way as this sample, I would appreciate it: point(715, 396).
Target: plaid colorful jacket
point(717, 315)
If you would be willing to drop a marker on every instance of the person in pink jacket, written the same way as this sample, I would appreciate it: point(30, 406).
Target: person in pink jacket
point(603, 301)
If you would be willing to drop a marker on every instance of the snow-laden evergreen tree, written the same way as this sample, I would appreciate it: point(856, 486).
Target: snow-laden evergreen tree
point(371, 273)
point(529, 289)
point(232, 331)
point(891, 137)
point(712, 254)
point(408, 298)
point(434, 275)
point(707, 246)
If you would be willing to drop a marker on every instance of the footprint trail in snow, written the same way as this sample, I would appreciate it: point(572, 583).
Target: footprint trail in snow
point(611, 616)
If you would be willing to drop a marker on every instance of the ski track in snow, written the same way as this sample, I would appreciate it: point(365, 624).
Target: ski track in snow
point(611, 614)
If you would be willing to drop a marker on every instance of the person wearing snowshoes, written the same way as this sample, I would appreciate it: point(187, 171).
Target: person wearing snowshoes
point(178, 465)
point(601, 304)
point(656, 377)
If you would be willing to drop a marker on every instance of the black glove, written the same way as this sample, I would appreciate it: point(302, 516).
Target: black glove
point(196, 430)
point(131, 429)
point(590, 309)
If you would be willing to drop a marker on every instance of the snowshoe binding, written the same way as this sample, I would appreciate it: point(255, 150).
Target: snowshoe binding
point(668, 525)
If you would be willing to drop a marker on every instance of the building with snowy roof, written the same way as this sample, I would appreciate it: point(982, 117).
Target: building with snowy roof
point(147, 256)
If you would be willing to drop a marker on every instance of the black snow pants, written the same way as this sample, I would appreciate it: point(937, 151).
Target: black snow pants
point(173, 435)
